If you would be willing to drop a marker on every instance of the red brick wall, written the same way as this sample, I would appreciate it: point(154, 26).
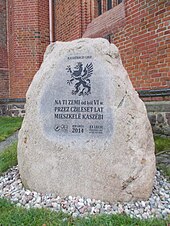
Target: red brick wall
point(43, 26)
point(28, 38)
point(68, 19)
point(71, 18)
point(140, 30)
point(95, 9)
point(4, 79)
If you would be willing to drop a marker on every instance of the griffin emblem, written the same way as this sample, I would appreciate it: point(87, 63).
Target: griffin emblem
point(81, 76)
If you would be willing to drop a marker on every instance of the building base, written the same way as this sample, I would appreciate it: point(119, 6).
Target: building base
point(12, 107)
point(159, 116)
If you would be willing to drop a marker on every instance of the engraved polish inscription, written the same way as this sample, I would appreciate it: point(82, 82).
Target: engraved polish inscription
point(82, 111)
point(75, 101)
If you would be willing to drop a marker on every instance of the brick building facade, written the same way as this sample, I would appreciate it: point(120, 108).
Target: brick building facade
point(141, 31)
point(139, 28)
point(4, 75)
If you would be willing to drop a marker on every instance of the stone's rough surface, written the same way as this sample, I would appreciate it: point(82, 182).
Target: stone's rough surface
point(86, 131)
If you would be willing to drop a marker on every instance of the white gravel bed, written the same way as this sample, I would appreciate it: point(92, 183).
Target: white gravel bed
point(158, 204)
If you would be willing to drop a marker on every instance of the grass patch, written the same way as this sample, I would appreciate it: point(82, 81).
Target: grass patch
point(8, 125)
point(8, 158)
point(162, 144)
point(12, 215)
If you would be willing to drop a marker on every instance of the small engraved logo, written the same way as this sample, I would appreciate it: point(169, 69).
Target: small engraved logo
point(61, 128)
point(81, 75)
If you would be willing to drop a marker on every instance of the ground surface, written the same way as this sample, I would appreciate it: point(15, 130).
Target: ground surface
point(8, 126)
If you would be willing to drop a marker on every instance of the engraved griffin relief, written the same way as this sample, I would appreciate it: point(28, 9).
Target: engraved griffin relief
point(80, 75)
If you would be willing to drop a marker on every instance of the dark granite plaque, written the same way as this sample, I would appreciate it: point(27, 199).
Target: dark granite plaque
point(76, 100)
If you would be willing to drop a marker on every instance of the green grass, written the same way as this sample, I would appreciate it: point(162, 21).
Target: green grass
point(16, 216)
point(8, 158)
point(8, 125)
point(162, 144)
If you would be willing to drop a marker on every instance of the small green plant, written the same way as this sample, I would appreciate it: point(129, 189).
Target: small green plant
point(162, 144)
point(8, 125)
point(8, 158)
point(162, 148)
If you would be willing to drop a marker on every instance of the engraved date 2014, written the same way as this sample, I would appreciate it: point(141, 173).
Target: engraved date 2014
point(77, 129)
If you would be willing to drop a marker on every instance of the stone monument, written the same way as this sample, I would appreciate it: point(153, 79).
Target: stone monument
point(86, 131)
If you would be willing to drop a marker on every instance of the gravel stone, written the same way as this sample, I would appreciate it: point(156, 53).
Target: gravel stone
point(158, 204)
